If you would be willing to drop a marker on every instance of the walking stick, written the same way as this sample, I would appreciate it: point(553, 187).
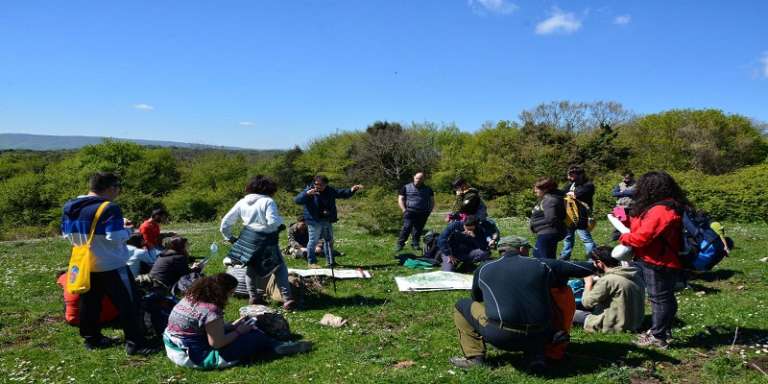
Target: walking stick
point(329, 258)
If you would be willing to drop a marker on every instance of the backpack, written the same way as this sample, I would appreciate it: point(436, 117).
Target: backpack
point(430, 244)
point(702, 247)
point(577, 214)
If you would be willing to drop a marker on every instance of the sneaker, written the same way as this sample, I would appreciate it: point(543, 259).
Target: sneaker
point(648, 340)
point(293, 347)
point(100, 342)
point(133, 349)
point(466, 363)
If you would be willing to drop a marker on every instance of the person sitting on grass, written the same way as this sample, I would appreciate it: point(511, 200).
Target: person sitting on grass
point(614, 303)
point(140, 259)
point(463, 242)
point(173, 262)
point(150, 228)
point(298, 238)
point(198, 337)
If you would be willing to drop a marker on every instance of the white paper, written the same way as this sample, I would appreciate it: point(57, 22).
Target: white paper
point(434, 281)
point(617, 224)
point(338, 273)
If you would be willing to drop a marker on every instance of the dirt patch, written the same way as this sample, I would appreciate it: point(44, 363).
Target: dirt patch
point(403, 364)
point(23, 334)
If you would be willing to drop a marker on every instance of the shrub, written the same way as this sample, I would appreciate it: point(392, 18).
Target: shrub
point(379, 213)
point(191, 205)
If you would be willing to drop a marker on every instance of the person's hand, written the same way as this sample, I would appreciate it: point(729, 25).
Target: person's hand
point(195, 265)
point(469, 233)
point(571, 194)
point(356, 187)
point(238, 321)
point(492, 243)
point(243, 327)
point(313, 191)
point(453, 260)
point(127, 223)
point(302, 249)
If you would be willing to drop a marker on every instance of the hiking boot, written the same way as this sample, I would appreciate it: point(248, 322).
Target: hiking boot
point(466, 363)
point(293, 347)
point(101, 342)
point(647, 340)
point(133, 349)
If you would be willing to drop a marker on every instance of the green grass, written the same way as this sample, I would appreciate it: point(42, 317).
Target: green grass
point(387, 327)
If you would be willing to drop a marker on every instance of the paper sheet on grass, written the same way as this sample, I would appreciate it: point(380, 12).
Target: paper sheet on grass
point(434, 281)
point(338, 273)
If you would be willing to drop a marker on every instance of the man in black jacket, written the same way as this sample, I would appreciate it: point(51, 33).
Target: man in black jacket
point(511, 306)
point(417, 201)
point(580, 188)
point(463, 242)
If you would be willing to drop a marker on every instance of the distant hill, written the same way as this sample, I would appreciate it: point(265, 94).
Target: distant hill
point(51, 142)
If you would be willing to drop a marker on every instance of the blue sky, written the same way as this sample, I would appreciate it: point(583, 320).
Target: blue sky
point(271, 74)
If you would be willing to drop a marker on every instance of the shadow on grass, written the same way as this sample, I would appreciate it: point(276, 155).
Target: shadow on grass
point(322, 301)
point(710, 276)
point(703, 288)
point(587, 358)
point(716, 336)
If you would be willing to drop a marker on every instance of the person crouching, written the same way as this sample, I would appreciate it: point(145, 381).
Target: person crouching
point(512, 314)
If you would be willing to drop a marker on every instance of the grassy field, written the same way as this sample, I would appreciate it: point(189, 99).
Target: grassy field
point(393, 336)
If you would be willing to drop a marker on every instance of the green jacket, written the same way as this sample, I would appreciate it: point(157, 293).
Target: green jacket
point(617, 301)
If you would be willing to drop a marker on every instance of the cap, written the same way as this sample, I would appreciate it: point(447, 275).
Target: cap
point(513, 242)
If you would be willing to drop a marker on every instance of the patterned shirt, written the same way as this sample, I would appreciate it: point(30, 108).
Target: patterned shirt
point(188, 320)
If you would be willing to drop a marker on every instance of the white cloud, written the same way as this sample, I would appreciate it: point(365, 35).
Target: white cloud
point(559, 22)
point(764, 65)
point(247, 123)
point(622, 19)
point(502, 7)
point(143, 107)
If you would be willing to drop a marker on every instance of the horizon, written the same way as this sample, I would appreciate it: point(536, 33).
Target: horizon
point(271, 75)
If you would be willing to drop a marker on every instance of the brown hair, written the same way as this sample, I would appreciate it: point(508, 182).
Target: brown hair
point(545, 184)
point(212, 289)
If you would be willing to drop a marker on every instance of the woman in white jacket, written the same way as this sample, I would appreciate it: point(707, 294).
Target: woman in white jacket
point(257, 245)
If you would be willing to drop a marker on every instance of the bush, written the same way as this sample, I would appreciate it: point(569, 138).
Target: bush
point(517, 204)
point(192, 205)
point(379, 212)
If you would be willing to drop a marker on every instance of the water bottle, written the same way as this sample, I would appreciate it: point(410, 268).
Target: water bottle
point(214, 249)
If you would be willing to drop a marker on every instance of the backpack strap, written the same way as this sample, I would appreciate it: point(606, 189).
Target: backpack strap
point(96, 217)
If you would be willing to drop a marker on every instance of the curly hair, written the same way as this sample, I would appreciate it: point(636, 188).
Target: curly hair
point(212, 289)
point(261, 185)
point(655, 186)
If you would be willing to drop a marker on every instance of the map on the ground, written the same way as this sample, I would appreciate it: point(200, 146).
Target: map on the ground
point(338, 273)
point(434, 281)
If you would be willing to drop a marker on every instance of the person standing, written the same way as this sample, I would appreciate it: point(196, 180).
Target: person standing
point(655, 235)
point(110, 275)
point(257, 245)
point(319, 201)
point(416, 201)
point(623, 192)
point(547, 218)
point(581, 189)
point(468, 202)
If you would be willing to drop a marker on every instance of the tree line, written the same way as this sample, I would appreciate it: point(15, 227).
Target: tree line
point(718, 157)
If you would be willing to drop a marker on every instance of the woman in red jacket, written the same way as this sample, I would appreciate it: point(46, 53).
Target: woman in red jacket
point(655, 237)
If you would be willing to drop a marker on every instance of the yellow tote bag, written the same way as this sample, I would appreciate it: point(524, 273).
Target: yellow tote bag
point(81, 261)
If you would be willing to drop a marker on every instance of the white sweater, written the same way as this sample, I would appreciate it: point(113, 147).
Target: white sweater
point(258, 212)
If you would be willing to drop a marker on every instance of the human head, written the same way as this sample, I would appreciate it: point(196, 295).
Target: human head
point(460, 184)
point(214, 289)
point(159, 215)
point(601, 258)
point(105, 184)
point(655, 186)
point(470, 223)
point(418, 178)
point(261, 185)
point(544, 185)
point(515, 245)
point(628, 176)
point(136, 240)
point(576, 173)
point(301, 222)
point(176, 244)
point(320, 182)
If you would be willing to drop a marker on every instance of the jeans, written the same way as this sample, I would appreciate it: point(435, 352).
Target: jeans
point(319, 230)
point(413, 222)
point(569, 240)
point(118, 285)
point(474, 256)
point(546, 245)
point(660, 286)
point(255, 284)
point(475, 330)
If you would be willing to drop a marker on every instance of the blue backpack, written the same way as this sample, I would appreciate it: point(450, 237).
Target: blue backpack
point(702, 247)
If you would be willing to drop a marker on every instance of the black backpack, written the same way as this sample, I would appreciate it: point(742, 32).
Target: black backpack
point(430, 244)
